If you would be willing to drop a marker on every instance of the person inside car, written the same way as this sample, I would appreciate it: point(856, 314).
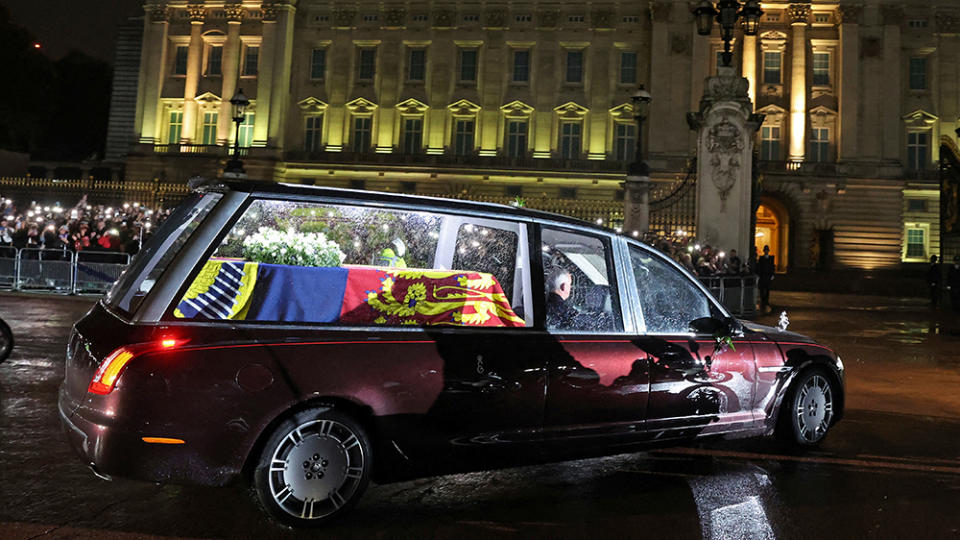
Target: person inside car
point(560, 315)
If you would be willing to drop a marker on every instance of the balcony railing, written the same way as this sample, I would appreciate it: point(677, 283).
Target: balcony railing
point(198, 149)
point(472, 160)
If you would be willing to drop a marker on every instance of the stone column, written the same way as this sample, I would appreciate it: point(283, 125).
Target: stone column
point(152, 73)
point(194, 57)
point(661, 77)
point(849, 70)
point(750, 65)
point(799, 15)
point(261, 128)
point(230, 67)
point(636, 195)
point(282, 58)
point(725, 126)
point(892, 124)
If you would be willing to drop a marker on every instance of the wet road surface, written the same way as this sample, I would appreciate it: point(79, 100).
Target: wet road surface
point(890, 469)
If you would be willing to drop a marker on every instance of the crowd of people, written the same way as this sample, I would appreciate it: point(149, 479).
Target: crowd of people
point(84, 227)
point(702, 260)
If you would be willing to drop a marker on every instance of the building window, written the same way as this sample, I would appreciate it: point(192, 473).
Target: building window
point(180, 60)
point(463, 137)
point(468, 65)
point(771, 67)
point(420, 17)
point(367, 64)
point(631, 19)
point(819, 144)
point(523, 18)
point(918, 73)
point(318, 64)
point(215, 60)
point(417, 65)
point(362, 128)
point(312, 133)
point(628, 68)
point(916, 243)
point(412, 135)
point(770, 143)
point(246, 129)
point(821, 69)
point(625, 142)
point(175, 127)
point(574, 67)
point(516, 138)
point(521, 66)
point(370, 17)
point(570, 140)
point(471, 18)
point(821, 17)
point(575, 18)
point(917, 23)
point(916, 205)
point(251, 60)
point(209, 133)
point(917, 150)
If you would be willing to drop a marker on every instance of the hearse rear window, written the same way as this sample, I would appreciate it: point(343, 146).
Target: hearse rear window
point(303, 262)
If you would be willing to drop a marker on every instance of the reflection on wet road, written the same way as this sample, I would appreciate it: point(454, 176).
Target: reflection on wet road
point(891, 469)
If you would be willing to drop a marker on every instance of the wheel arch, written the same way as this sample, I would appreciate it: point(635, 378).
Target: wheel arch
point(821, 363)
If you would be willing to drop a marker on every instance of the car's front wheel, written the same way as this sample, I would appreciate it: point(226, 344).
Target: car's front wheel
point(807, 411)
point(313, 468)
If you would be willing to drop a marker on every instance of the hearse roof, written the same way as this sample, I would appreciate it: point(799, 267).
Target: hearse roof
point(279, 188)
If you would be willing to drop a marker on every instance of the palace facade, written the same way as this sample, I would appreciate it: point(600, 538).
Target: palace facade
point(498, 100)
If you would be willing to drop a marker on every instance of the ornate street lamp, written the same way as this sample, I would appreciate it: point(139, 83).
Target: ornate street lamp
point(726, 13)
point(641, 103)
point(239, 104)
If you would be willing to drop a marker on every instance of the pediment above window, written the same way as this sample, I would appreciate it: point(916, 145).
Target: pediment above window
point(312, 105)
point(207, 98)
point(517, 109)
point(919, 119)
point(361, 106)
point(571, 110)
point(412, 107)
point(773, 114)
point(622, 112)
point(464, 107)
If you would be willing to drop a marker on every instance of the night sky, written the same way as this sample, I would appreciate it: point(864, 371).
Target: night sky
point(61, 25)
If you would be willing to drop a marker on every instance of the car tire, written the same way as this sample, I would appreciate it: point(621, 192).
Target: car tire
point(313, 468)
point(807, 411)
point(6, 340)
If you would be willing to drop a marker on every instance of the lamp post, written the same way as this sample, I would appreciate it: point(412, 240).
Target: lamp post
point(637, 187)
point(727, 13)
point(239, 103)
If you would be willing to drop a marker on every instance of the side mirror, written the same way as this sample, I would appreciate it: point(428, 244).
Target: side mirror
point(717, 327)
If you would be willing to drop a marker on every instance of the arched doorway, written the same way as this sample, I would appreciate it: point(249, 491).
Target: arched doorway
point(773, 228)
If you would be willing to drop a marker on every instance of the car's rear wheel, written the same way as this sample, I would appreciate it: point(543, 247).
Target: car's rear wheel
point(807, 412)
point(313, 468)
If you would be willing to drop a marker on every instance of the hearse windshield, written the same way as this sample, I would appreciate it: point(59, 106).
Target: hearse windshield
point(136, 282)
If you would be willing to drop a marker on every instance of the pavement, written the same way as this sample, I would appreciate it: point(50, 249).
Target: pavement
point(890, 469)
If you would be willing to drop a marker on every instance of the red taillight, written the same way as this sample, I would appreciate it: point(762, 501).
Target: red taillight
point(106, 376)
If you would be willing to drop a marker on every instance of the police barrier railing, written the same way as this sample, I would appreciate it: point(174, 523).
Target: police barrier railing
point(737, 293)
point(8, 267)
point(45, 269)
point(96, 271)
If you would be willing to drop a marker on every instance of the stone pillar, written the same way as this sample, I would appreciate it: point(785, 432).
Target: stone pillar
point(282, 58)
point(662, 72)
point(152, 73)
point(725, 126)
point(265, 74)
point(194, 57)
point(636, 195)
point(750, 65)
point(230, 67)
point(799, 15)
point(849, 70)
point(892, 127)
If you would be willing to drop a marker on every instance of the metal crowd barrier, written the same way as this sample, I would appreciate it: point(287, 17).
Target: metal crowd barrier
point(60, 271)
point(737, 293)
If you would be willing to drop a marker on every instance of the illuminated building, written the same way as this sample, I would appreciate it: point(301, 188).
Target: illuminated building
point(497, 100)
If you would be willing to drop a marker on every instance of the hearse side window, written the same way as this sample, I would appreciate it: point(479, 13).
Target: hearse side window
point(353, 265)
point(580, 286)
point(136, 281)
point(668, 299)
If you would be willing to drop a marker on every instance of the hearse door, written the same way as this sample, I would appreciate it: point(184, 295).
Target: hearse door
point(597, 379)
point(695, 386)
point(493, 375)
